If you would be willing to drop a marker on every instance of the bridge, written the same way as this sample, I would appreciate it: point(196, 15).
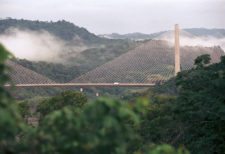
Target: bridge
point(84, 85)
point(151, 63)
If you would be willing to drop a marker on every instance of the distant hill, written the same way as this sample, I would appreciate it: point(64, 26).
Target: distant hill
point(64, 30)
point(202, 32)
point(198, 32)
point(131, 36)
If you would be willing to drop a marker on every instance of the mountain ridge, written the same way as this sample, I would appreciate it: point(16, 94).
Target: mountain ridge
point(198, 32)
point(65, 30)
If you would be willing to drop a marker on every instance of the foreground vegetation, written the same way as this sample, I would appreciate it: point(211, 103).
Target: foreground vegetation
point(153, 122)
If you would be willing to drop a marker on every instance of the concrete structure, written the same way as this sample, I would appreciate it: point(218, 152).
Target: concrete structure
point(177, 49)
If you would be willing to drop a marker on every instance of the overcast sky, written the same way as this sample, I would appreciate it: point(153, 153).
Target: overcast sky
point(121, 16)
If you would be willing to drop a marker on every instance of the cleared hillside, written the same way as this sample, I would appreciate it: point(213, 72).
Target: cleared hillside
point(151, 62)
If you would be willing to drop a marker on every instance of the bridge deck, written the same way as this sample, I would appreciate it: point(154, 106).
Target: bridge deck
point(80, 85)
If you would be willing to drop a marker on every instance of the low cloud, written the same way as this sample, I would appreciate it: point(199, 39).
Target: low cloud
point(187, 39)
point(33, 45)
point(206, 41)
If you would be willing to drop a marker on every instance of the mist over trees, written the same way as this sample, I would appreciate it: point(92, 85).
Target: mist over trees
point(62, 29)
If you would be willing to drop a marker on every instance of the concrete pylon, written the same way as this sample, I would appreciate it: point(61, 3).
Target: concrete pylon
point(177, 49)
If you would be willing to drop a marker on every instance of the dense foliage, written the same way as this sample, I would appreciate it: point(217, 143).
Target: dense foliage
point(100, 128)
point(68, 98)
point(10, 119)
point(201, 106)
point(196, 118)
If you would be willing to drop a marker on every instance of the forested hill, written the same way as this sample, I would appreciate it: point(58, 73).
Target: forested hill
point(65, 30)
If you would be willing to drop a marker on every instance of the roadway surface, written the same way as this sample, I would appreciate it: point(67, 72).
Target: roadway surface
point(80, 85)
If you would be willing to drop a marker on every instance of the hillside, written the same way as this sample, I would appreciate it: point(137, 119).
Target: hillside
point(54, 71)
point(22, 75)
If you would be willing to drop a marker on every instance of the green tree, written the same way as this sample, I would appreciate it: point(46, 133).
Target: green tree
point(102, 127)
point(10, 119)
point(201, 107)
point(202, 60)
point(163, 149)
point(67, 98)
